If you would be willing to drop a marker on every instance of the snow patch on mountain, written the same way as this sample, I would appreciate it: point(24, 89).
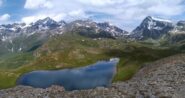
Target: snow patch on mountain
point(160, 19)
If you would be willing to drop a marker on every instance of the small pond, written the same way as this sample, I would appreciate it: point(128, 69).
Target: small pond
point(91, 76)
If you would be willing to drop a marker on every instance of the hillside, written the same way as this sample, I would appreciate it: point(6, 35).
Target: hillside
point(161, 79)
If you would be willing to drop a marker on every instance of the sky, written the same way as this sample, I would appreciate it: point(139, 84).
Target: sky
point(126, 14)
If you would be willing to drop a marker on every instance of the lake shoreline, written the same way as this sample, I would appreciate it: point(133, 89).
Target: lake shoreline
point(100, 73)
point(161, 79)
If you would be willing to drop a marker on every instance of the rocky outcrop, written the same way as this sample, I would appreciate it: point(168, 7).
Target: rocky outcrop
point(162, 79)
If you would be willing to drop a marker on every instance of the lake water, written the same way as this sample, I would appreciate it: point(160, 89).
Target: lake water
point(91, 76)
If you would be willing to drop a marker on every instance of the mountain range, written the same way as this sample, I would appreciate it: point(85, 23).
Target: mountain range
point(18, 36)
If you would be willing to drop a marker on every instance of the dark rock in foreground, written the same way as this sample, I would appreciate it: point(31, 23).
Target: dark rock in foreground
point(162, 79)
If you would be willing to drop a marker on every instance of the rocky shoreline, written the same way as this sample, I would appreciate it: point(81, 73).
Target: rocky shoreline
point(162, 79)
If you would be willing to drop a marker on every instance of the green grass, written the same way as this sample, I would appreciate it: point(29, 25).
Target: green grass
point(7, 79)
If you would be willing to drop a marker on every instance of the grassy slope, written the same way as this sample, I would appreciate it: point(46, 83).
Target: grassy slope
point(71, 50)
point(15, 60)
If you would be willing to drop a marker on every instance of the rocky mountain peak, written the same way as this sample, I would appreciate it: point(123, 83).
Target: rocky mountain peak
point(152, 27)
point(46, 22)
point(90, 26)
point(116, 31)
point(155, 23)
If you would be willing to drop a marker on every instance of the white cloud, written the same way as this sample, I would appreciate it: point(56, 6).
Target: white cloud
point(36, 4)
point(127, 13)
point(4, 18)
point(30, 19)
point(71, 15)
point(101, 2)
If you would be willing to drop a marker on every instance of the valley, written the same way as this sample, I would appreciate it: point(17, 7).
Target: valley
point(50, 45)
